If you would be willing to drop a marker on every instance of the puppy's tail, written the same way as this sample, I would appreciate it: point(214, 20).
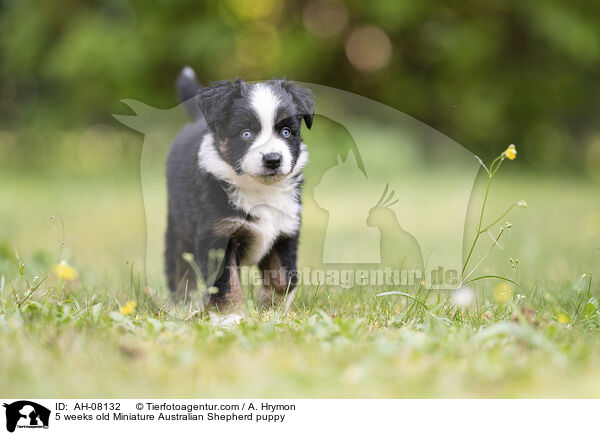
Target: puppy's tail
point(187, 91)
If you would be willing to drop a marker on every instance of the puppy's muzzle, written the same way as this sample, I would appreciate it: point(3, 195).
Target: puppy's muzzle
point(272, 161)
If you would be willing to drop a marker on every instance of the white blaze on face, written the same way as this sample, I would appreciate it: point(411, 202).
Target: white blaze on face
point(265, 104)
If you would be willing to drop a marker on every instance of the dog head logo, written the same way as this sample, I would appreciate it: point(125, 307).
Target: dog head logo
point(26, 414)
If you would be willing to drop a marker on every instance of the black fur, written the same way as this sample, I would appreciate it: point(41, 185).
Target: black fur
point(188, 90)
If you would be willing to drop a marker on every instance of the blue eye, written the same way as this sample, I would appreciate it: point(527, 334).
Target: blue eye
point(286, 132)
point(246, 134)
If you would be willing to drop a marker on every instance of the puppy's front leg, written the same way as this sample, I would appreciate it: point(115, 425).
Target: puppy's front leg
point(222, 279)
point(226, 292)
point(279, 273)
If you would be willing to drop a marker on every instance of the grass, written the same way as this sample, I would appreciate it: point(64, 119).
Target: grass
point(68, 339)
point(75, 343)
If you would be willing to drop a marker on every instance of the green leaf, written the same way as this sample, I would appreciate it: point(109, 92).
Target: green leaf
point(590, 308)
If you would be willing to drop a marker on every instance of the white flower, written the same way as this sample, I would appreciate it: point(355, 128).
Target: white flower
point(463, 297)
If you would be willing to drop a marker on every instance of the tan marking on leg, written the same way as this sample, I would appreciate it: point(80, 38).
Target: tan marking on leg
point(228, 300)
point(275, 286)
point(267, 298)
point(274, 275)
point(235, 294)
point(229, 226)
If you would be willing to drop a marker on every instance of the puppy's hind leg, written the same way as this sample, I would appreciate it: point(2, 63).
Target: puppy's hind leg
point(181, 277)
point(170, 256)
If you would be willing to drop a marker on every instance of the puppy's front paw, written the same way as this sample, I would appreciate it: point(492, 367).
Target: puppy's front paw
point(268, 298)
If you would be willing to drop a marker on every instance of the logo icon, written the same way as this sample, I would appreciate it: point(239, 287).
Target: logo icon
point(25, 414)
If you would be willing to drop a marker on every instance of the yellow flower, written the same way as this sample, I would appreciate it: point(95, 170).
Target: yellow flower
point(65, 272)
point(502, 292)
point(562, 318)
point(511, 152)
point(128, 308)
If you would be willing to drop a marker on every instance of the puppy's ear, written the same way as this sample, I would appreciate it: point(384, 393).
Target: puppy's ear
point(216, 100)
point(303, 98)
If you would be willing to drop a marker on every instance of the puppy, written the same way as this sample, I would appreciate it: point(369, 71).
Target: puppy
point(234, 177)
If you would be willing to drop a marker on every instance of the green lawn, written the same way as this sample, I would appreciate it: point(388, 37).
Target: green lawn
point(68, 338)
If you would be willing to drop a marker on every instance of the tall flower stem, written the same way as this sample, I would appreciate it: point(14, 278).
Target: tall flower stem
point(492, 171)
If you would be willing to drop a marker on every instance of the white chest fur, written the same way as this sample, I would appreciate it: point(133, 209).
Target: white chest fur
point(275, 206)
point(276, 211)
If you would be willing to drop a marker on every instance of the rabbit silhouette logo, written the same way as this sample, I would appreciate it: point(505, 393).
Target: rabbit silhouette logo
point(25, 414)
point(375, 227)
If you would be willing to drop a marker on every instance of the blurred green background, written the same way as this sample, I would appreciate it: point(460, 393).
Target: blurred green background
point(484, 73)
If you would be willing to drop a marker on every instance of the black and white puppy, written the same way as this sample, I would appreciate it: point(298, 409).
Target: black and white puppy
point(234, 179)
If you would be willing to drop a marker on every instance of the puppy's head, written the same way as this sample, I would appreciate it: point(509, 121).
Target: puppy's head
point(257, 126)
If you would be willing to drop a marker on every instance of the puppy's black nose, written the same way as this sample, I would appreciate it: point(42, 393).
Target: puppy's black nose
point(272, 160)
